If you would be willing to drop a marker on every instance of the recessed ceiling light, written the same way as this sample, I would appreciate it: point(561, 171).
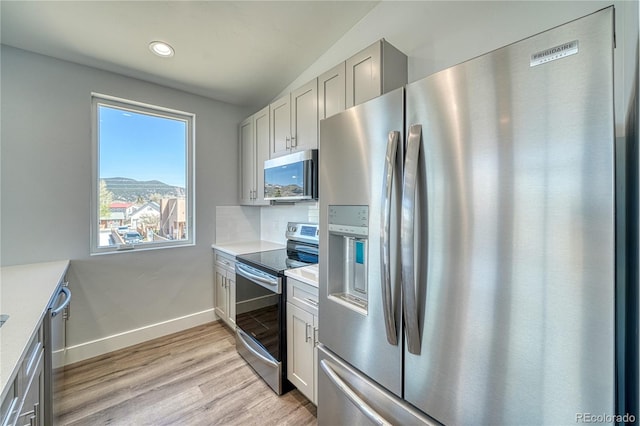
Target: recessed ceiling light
point(161, 48)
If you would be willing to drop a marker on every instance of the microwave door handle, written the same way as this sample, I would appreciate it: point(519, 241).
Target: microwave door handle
point(387, 185)
point(406, 237)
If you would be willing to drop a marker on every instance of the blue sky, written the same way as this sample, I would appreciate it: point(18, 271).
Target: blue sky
point(142, 147)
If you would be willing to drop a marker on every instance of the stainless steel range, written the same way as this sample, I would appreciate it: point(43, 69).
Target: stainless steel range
point(261, 301)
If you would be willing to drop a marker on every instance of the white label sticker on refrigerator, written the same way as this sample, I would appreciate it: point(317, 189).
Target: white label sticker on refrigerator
point(561, 51)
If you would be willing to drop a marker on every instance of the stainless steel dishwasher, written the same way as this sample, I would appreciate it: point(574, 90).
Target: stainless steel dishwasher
point(54, 350)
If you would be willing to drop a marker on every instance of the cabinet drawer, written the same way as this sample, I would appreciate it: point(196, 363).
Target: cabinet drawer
point(9, 408)
point(31, 355)
point(31, 412)
point(303, 295)
point(225, 261)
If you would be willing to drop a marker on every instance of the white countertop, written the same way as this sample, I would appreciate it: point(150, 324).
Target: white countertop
point(244, 247)
point(306, 274)
point(25, 294)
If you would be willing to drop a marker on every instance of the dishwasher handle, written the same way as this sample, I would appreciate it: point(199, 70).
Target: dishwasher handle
point(67, 299)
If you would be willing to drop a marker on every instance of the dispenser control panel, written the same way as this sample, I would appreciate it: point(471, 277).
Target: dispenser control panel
point(349, 220)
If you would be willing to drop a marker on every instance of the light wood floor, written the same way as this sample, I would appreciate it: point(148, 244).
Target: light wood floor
point(194, 377)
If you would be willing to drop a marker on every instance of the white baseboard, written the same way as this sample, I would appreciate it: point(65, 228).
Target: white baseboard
point(132, 337)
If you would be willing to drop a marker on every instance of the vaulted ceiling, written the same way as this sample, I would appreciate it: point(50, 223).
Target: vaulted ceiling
point(241, 52)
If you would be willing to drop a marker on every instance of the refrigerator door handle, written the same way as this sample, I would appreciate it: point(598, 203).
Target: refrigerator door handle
point(406, 237)
point(387, 185)
point(365, 408)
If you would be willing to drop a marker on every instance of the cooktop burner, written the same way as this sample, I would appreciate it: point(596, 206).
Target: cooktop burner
point(275, 260)
point(302, 250)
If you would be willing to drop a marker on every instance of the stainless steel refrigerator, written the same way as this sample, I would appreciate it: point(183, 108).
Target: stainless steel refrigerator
point(467, 249)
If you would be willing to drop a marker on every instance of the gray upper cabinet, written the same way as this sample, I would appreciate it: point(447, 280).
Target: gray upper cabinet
point(304, 117)
point(261, 127)
point(294, 121)
point(291, 122)
point(280, 135)
point(247, 161)
point(254, 150)
point(373, 71)
point(332, 91)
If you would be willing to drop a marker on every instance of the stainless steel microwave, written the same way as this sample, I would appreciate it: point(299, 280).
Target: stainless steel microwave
point(292, 177)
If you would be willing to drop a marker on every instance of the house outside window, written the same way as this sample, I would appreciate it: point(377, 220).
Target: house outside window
point(143, 179)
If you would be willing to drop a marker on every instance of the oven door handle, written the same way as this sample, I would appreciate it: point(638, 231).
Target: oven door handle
point(246, 342)
point(242, 270)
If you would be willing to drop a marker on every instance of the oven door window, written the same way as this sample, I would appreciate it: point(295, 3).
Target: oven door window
point(258, 314)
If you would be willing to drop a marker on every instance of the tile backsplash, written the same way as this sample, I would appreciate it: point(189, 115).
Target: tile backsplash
point(238, 223)
point(273, 222)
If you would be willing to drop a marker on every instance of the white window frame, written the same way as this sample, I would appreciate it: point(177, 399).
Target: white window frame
point(98, 99)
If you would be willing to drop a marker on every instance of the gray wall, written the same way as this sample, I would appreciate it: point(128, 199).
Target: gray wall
point(46, 184)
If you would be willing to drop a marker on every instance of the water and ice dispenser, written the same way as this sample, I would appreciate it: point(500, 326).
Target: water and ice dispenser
point(348, 256)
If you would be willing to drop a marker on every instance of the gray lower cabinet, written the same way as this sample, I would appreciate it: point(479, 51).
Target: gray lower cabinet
point(9, 407)
point(23, 405)
point(302, 337)
point(32, 413)
point(225, 287)
point(28, 389)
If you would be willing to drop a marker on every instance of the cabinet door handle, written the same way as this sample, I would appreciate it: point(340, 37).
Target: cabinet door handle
point(35, 419)
point(307, 336)
point(293, 142)
point(315, 336)
point(287, 142)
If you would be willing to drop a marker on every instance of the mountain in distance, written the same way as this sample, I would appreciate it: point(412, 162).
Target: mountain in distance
point(282, 191)
point(126, 189)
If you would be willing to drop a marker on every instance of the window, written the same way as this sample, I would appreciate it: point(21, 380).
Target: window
point(142, 176)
